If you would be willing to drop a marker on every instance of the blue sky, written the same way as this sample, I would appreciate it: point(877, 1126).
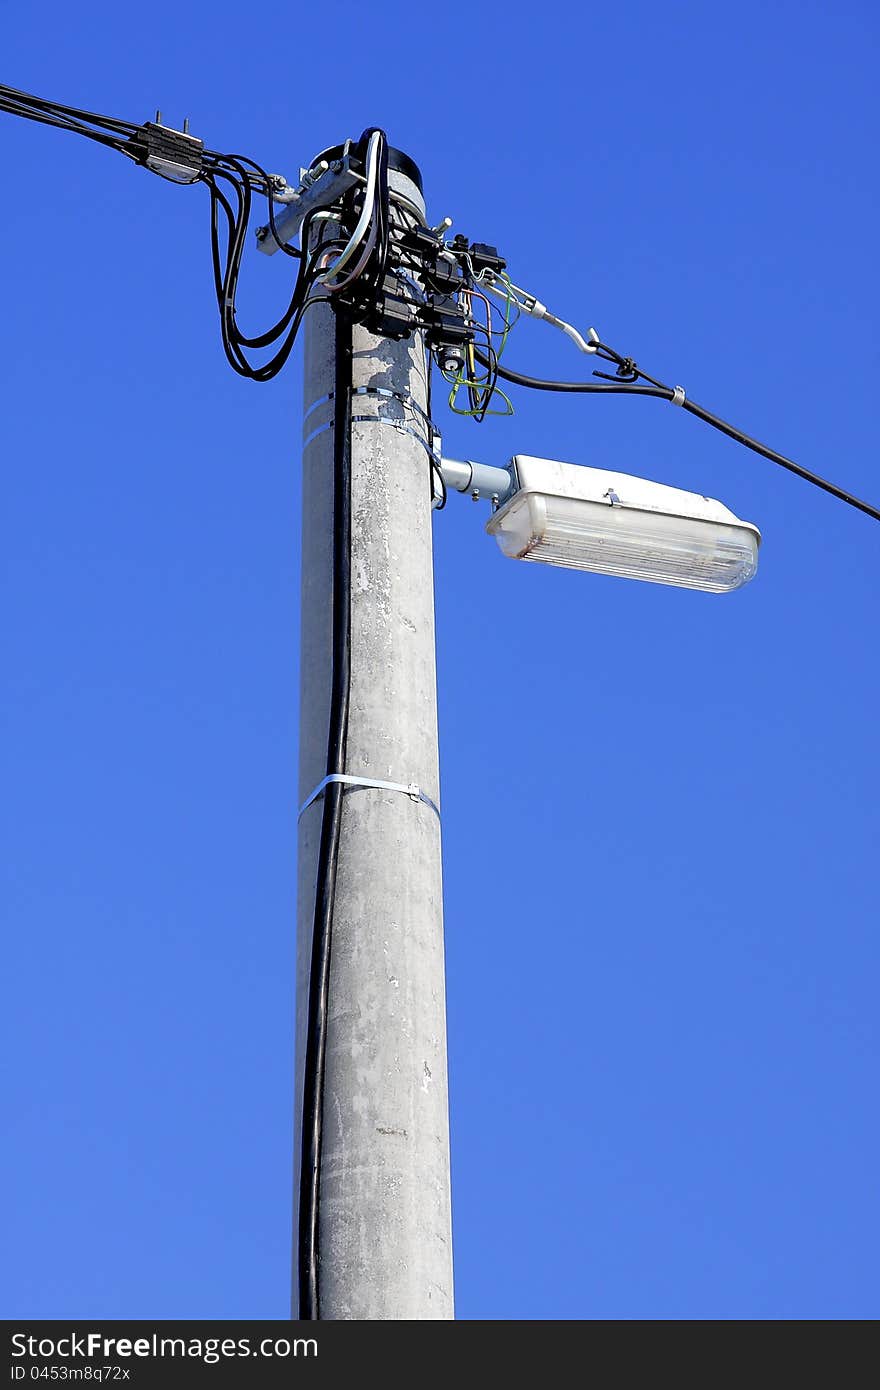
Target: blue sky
point(660, 823)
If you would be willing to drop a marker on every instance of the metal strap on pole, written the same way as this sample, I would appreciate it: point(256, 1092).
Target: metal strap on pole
point(382, 391)
point(406, 402)
point(410, 789)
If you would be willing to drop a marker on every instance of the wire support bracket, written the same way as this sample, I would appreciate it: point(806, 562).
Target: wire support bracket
point(410, 789)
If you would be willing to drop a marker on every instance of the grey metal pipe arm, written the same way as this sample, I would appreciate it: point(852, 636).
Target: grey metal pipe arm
point(479, 479)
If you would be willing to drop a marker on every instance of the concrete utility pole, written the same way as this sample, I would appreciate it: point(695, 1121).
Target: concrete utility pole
point(384, 1225)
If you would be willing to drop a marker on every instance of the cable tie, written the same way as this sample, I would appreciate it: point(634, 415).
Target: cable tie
point(678, 397)
point(410, 789)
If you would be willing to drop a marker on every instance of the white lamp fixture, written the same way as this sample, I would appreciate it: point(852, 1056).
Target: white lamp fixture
point(611, 523)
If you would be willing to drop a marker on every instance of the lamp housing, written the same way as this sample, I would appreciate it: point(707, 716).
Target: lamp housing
point(612, 523)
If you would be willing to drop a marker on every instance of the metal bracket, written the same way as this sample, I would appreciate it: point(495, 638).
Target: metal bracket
point(380, 420)
point(479, 479)
point(410, 789)
point(405, 400)
point(383, 393)
point(317, 192)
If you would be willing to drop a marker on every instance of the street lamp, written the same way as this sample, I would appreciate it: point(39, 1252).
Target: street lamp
point(387, 295)
point(612, 523)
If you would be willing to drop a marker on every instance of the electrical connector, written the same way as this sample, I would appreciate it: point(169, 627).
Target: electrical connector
point(390, 313)
point(485, 257)
point(444, 276)
point(173, 154)
point(420, 240)
point(448, 330)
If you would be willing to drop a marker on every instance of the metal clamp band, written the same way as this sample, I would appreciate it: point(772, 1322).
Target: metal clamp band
point(379, 420)
point(678, 396)
point(406, 401)
point(409, 789)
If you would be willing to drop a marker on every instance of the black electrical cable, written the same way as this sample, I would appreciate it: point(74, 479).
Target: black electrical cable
point(61, 122)
point(580, 387)
point(667, 393)
point(328, 852)
point(230, 284)
point(226, 274)
point(26, 99)
point(435, 473)
point(481, 397)
point(783, 462)
point(269, 189)
point(369, 278)
point(766, 452)
point(308, 1269)
point(226, 267)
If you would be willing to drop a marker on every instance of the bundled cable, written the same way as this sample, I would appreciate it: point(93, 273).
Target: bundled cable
point(326, 269)
point(369, 240)
point(229, 184)
point(330, 266)
point(103, 129)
